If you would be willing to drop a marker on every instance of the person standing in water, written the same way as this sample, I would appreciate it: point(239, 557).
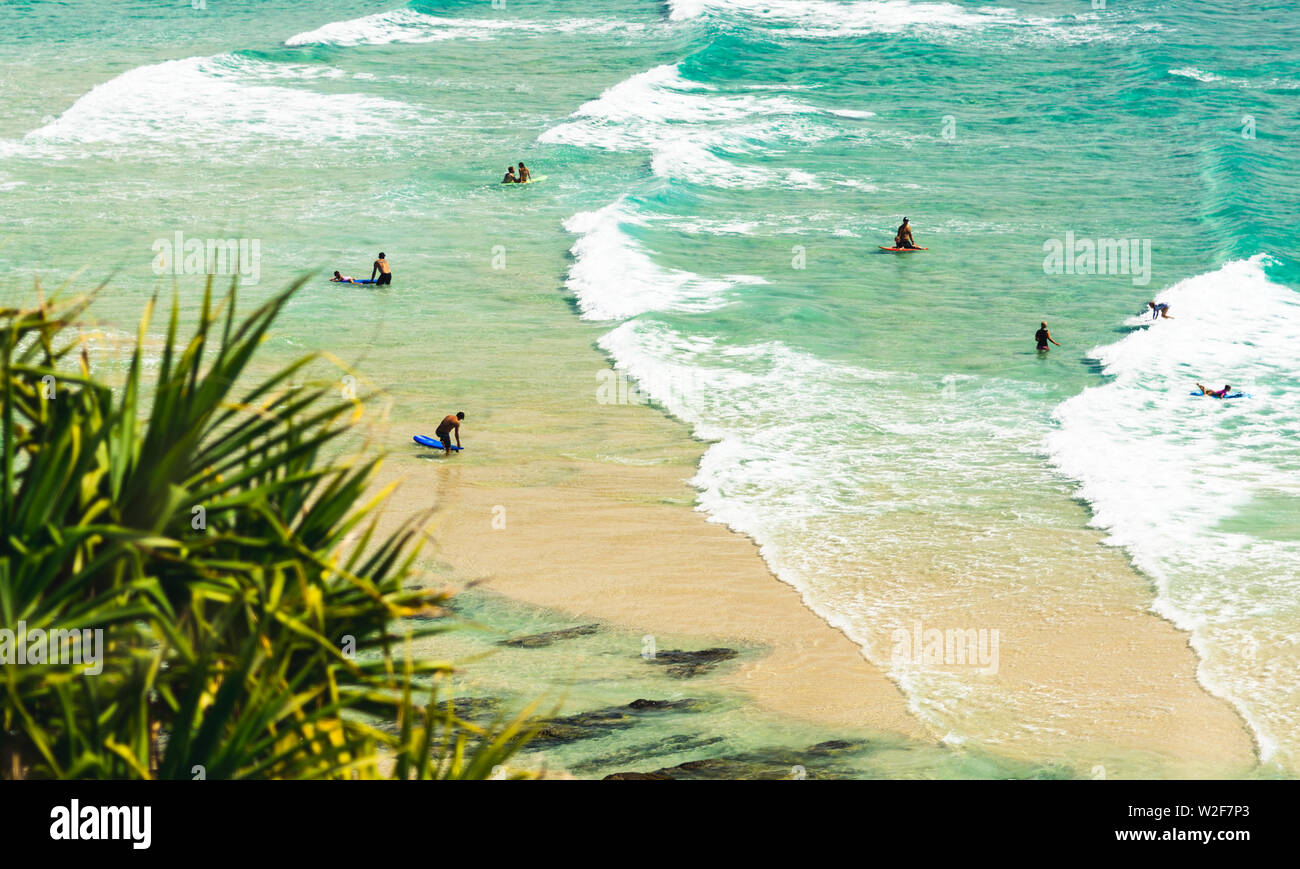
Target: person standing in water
point(1042, 336)
point(510, 176)
point(903, 238)
point(524, 175)
point(382, 269)
point(446, 427)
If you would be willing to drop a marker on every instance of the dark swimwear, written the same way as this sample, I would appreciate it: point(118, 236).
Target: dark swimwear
point(384, 278)
point(1041, 337)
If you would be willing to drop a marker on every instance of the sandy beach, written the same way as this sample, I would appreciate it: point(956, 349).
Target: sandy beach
point(617, 539)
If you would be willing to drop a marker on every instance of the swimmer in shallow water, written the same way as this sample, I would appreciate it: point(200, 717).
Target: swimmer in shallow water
point(1042, 336)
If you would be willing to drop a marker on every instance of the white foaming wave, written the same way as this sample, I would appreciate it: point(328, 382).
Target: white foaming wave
point(727, 392)
point(857, 183)
point(1211, 77)
point(613, 276)
point(715, 227)
point(1198, 74)
point(800, 178)
point(1227, 325)
point(210, 101)
point(819, 19)
point(1164, 471)
point(693, 162)
point(250, 67)
point(685, 124)
point(852, 113)
point(876, 495)
point(661, 95)
point(410, 26)
point(879, 16)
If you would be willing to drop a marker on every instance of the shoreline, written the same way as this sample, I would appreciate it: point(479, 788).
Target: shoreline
point(614, 535)
point(635, 564)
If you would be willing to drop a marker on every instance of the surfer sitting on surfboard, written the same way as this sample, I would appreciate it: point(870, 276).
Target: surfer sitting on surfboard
point(510, 176)
point(903, 238)
point(1215, 393)
point(524, 175)
point(446, 427)
point(340, 279)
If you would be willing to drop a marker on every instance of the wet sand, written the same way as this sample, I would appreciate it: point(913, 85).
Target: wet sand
point(609, 532)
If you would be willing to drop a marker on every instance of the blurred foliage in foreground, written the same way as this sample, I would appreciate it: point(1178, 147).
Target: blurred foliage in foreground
point(249, 608)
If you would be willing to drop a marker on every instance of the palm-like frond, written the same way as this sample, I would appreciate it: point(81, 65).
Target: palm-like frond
point(257, 642)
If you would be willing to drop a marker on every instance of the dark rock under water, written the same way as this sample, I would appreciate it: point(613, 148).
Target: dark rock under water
point(584, 725)
point(683, 664)
point(821, 761)
point(534, 641)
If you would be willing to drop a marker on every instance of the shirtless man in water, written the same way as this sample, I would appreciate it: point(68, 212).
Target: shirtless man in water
point(446, 427)
point(381, 268)
point(903, 238)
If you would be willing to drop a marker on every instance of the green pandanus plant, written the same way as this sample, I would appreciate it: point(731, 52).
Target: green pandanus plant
point(255, 622)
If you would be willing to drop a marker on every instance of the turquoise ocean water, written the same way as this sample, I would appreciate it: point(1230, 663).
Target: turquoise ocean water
point(720, 176)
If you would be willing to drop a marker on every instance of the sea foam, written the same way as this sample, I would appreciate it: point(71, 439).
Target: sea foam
point(410, 26)
point(1190, 486)
point(695, 131)
point(209, 102)
point(613, 276)
point(829, 19)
